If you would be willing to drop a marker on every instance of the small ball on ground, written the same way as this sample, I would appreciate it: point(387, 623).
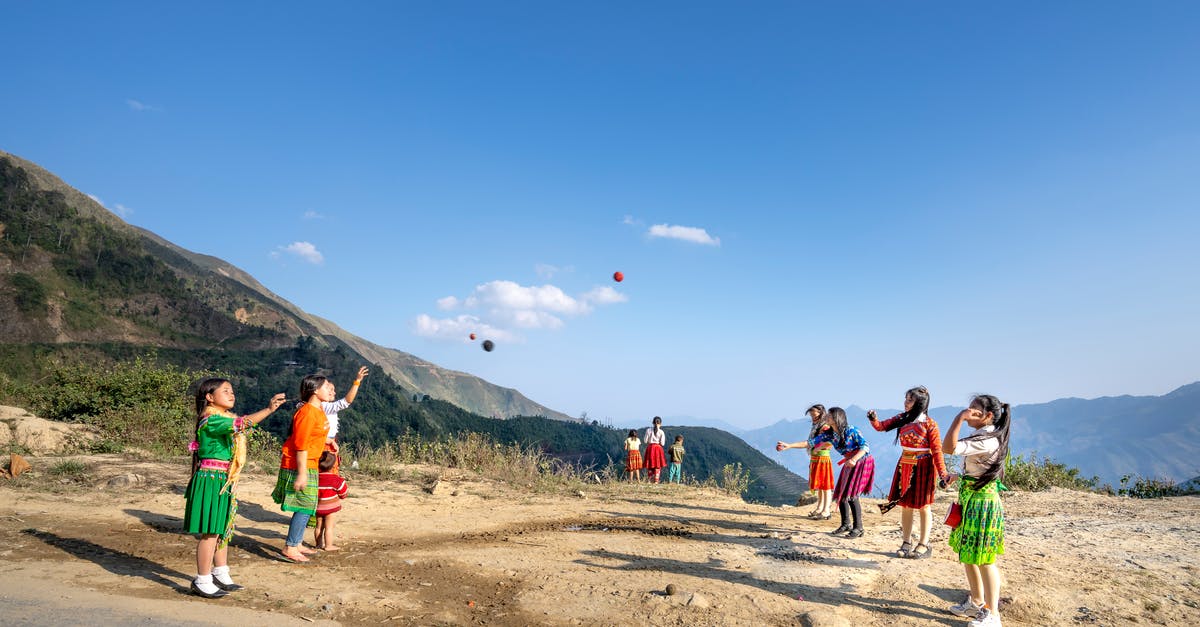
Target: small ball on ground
point(671, 591)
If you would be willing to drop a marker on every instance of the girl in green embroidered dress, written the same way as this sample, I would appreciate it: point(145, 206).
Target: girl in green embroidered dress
point(211, 506)
point(979, 537)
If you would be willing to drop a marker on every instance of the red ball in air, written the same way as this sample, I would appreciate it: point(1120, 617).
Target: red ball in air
point(472, 336)
point(618, 277)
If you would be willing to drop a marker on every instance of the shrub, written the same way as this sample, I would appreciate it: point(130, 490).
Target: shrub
point(734, 479)
point(30, 295)
point(1140, 487)
point(1036, 476)
point(136, 403)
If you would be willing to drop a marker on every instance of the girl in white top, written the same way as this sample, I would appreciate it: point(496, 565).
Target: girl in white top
point(979, 537)
point(656, 460)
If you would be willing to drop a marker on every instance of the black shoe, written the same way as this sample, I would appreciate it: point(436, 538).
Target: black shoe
point(200, 593)
point(840, 530)
point(855, 533)
point(227, 587)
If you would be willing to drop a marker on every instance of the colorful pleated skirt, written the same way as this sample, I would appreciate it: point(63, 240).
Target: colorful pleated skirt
point(855, 480)
point(979, 538)
point(288, 498)
point(207, 509)
point(633, 461)
point(913, 482)
point(820, 472)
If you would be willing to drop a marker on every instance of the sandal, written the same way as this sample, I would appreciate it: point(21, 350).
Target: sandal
point(905, 549)
point(918, 554)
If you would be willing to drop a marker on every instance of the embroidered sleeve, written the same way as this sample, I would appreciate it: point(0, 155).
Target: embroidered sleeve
point(882, 425)
point(855, 441)
point(934, 439)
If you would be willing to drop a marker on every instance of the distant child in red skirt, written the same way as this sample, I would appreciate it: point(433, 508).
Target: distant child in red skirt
point(656, 460)
point(920, 465)
point(633, 456)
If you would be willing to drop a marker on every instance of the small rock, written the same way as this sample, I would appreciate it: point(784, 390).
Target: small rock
point(124, 481)
point(328, 607)
point(580, 494)
point(697, 601)
point(17, 465)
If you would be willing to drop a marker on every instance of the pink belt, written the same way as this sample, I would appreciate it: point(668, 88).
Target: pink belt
point(214, 464)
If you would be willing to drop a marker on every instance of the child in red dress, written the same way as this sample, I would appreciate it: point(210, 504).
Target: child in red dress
point(331, 489)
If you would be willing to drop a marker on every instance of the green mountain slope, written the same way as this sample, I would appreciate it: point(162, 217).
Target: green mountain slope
point(77, 283)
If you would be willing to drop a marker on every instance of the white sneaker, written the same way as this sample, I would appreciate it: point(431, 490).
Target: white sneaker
point(967, 608)
point(985, 618)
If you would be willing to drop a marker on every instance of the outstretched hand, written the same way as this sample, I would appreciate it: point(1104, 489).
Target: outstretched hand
point(362, 372)
point(276, 401)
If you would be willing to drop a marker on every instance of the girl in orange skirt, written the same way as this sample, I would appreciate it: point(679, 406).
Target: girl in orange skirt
point(820, 468)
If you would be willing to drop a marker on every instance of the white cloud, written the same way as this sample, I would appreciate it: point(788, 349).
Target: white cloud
point(604, 295)
point(313, 215)
point(508, 305)
point(137, 105)
point(513, 296)
point(303, 250)
point(631, 221)
point(460, 328)
point(118, 208)
point(686, 233)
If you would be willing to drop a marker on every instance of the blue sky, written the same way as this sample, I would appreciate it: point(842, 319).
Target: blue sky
point(975, 198)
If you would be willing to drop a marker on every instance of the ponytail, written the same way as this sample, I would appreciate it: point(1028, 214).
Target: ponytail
point(1001, 422)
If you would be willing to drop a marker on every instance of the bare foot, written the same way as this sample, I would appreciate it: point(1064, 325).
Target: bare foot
point(330, 547)
point(305, 550)
point(294, 556)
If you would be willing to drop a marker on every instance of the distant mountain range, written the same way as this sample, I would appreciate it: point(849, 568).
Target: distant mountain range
point(77, 283)
point(1108, 437)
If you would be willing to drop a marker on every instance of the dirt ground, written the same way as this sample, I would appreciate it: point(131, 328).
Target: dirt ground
point(475, 551)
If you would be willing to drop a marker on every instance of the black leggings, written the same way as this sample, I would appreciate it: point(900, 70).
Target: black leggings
point(848, 507)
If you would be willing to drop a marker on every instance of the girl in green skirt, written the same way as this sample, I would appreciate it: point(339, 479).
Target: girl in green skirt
point(979, 537)
point(211, 506)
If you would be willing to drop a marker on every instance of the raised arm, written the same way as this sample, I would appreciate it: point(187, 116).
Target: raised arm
point(783, 446)
point(951, 438)
point(259, 415)
point(882, 425)
point(353, 392)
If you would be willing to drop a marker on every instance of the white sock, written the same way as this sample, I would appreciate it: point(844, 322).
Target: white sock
point(221, 574)
point(206, 585)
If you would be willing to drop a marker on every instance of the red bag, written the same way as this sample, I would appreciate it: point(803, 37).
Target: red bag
point(954, 516)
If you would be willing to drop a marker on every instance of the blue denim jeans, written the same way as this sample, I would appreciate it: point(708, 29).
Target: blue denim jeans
point(674, 472)
point(296, 528)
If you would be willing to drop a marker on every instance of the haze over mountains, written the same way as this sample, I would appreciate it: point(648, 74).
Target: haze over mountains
point(1108, 437)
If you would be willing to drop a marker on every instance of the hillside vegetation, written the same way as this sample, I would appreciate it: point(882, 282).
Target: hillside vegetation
point(84, 296)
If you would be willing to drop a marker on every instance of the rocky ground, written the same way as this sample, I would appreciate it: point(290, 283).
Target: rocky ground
point(99, 537)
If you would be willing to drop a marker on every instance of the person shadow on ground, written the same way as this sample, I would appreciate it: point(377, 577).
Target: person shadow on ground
point(114, 561)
